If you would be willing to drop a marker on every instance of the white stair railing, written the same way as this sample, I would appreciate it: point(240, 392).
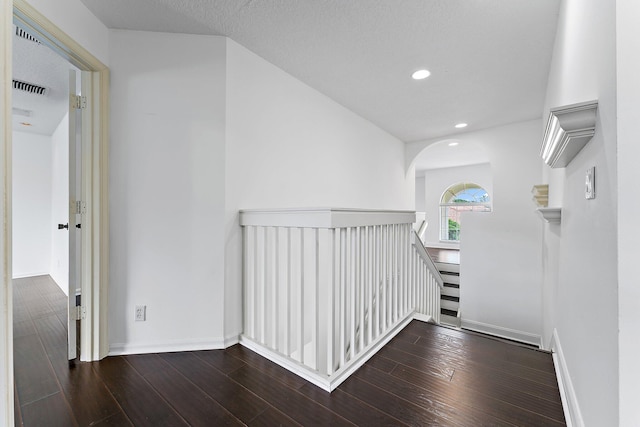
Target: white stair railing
point(430, 279)
point(324, 289)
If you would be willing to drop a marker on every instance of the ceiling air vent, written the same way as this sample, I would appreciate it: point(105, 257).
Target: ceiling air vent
point(23, 34)
point(29, 87)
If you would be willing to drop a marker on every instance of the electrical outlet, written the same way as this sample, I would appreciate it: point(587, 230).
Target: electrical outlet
point(141, 313)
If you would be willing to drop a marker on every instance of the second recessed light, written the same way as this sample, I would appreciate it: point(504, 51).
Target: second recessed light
point(461, 125)
point(420, 74)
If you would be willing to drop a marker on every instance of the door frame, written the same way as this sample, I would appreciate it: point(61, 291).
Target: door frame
point(95, 225)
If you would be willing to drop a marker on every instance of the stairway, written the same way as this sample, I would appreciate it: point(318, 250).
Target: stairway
point(448, 263)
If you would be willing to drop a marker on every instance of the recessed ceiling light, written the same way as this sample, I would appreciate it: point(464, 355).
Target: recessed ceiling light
point(421, 74)
point(25, 124)
point(453, 144)
point(461, 125)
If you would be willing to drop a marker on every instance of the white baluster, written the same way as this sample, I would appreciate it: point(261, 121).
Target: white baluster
point(287, 298)
point(269, 272)
point(300, 303)
point(361, 287)
point(352, 293)
point(411, 279)
point(394, 260)
point(423, 288)
point(331, 299)
point(316, 315)
point(260, 284)
point(376, 282)
point(384, 261)
point(344, 277)
point(370, 275)
point(275, 324)
point(249, 281)
point(401, 271)
point(405, 288)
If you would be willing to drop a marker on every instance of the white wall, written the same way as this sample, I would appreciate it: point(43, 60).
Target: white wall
point(32, 223)
point(500, 265)
point(500, 257)
point(581, 297)
point(167, 165)
point(419, 191)
point(436, 181)
point(290, 146)
point(628, 111)
point(59, 190)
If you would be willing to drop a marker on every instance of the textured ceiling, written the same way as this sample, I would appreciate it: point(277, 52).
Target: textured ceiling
point(489, 58)
point(38, 64)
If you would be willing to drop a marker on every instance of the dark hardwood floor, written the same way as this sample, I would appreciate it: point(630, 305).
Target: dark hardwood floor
point(427, 375)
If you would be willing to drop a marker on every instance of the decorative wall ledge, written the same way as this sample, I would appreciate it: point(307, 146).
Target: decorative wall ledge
point(541, 195)
point(551, 215)
point(569, 129)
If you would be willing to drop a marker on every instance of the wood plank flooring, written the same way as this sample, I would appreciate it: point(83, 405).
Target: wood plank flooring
point(427, 375)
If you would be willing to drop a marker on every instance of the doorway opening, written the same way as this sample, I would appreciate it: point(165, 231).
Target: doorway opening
point(91, 206)
point(46, 169)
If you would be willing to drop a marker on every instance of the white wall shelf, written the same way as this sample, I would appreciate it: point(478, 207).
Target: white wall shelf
point(569, 129)
point(551, 215)
point(541, 195)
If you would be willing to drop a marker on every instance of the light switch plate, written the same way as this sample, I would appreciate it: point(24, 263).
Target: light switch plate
point(590, 184)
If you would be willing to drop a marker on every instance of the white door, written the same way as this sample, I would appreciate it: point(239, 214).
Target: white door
point(75, 217)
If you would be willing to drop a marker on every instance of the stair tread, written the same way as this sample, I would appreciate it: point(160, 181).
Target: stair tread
point(450, 298)
point(451, 285)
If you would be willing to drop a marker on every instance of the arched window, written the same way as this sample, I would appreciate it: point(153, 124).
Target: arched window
point(463, 197)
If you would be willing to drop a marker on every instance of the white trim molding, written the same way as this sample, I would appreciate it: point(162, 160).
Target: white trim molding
point(323, 217)
point(550, 215)
point(570, 405)
point(119, 349)
point(499, 331)
point(569, 129)
point(6, 307)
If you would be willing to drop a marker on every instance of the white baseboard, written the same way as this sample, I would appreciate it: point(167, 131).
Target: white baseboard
point(120, 349)
point(499, 331)
point(25, 275)
point(423, 318)
point(570, 405)
point(230, 340)
point(330, 383)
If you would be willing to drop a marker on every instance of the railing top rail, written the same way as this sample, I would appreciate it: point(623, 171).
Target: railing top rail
point(324, 217)
point(422, 251)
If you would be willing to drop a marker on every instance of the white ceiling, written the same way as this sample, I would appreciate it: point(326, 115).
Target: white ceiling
point(38, 64)
point(444, 155)
point(489, 58)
